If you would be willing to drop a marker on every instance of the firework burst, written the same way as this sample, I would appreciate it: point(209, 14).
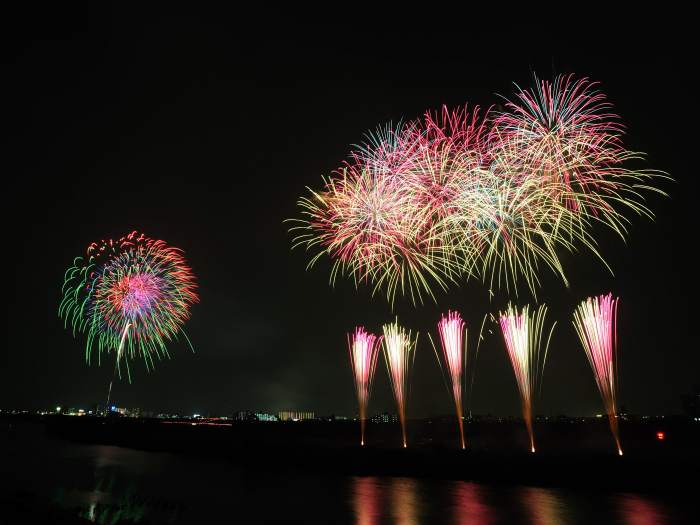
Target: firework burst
point(370, 223)
point(595, 322)
point(523, 336)
point(129, 296)
point(456, 195)
point(364, 349)
point(399, 352)
point(563, 138)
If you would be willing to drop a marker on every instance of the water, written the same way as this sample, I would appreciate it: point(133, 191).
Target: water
point(112, 483)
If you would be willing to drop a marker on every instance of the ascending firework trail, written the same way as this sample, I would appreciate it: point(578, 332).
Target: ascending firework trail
point(523, 335)
point(595, 322)
point(129, 296)
point(398, 348)
point(364, 349)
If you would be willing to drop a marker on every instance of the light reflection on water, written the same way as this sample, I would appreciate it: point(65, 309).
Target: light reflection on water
point(405, 501)
point(544, 506)
point(641, 510)
point(365, 498)
point(112, 484)
point(469, 507)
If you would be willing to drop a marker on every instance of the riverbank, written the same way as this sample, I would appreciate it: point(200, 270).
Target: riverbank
point(573, 456)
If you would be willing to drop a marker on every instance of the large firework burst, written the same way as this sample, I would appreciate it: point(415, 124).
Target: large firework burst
point(456, 195)
point(130, 296)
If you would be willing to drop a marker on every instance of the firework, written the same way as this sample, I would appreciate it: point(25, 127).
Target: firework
point(523, 335)
point(458, 194)
point(369, 221)
point(563, 138)
point(595, 322)
point(129, 296)
point(399, 352)
point(364, 349)
point(451, 329)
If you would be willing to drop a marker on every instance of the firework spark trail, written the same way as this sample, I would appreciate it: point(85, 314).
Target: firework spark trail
point(596, 325)
point(497, 196)
point(129, 296)
point(398, 348)
point(364, 349)
point(451, 329)
point(116, 365)
point(523, 335)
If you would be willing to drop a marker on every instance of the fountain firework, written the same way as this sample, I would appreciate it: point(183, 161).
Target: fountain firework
point(523, 335)
point(595, 320)
point(398, 348)
point(451, 328)
point(364, 349)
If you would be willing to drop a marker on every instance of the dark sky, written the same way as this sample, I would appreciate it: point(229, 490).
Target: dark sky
point(203, 127)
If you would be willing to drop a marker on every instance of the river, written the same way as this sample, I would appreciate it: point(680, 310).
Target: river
point(112, 483)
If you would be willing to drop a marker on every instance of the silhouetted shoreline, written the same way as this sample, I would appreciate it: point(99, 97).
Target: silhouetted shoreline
point(573, 455)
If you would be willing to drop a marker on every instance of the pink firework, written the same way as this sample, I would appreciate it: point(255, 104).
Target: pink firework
point(364, 349)
point(451, 329)
point(398, 348)
point(523, 335)
point(595, 322)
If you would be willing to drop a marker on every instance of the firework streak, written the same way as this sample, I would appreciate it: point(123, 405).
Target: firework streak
point(364, 349)
point(398, 348)
point(451, 329)
point(130, 296)
point(462, 194)
point(595, 322)
point(523, 336)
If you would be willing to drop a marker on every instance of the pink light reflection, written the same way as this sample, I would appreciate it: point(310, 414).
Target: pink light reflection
point(641, 510)
point(365, 500)
point(469, 506)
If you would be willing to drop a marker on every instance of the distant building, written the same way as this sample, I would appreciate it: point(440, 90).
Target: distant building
point(385, 418)
point(295, 416)
point(245, 416)
point(340, 418)
point(266, 417)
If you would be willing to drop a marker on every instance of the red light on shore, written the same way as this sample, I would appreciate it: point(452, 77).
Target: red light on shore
point(660, 435)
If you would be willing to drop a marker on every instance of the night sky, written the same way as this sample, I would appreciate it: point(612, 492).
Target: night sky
point(204, 127)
